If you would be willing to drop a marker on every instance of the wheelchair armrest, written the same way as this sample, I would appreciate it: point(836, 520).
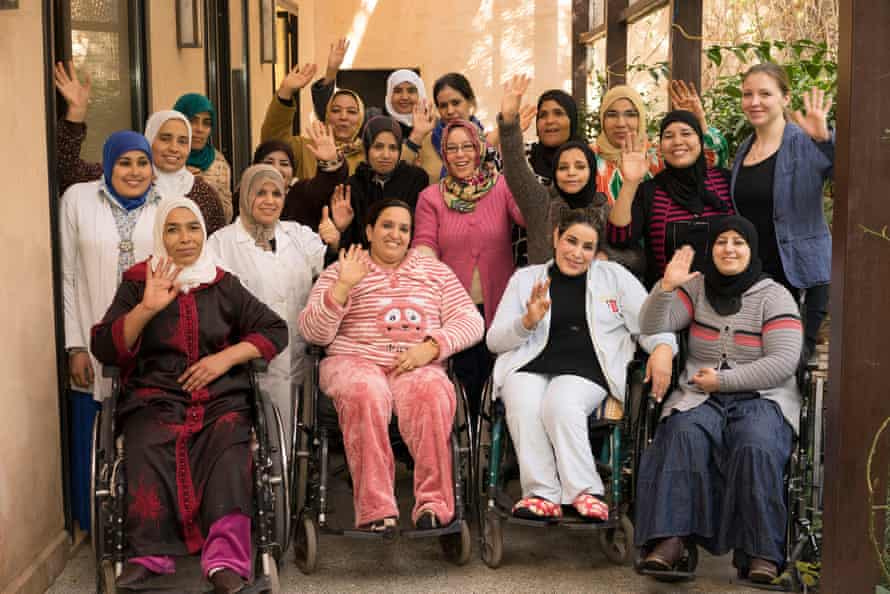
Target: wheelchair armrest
point(111, 371)
point(258, 365)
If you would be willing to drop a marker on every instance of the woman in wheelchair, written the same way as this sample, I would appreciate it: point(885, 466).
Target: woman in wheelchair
point(564, 335)
point(713, 476)
point(180, 328)
point(389, 319)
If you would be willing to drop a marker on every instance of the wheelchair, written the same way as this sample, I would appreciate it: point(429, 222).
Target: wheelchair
point(608, 429)
point(318, 437)
point(270, 528)
point(803, 479)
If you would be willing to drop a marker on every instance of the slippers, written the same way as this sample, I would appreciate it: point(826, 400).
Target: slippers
point(536, 508)
point(427, 520)
point(591, 507)
point(385, 526)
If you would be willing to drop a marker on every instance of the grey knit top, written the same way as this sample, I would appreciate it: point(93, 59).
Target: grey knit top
point(758, 347)
point(542, 206)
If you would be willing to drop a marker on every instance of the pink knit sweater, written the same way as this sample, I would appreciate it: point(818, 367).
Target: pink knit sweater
point(465, 241)
point(391, 310)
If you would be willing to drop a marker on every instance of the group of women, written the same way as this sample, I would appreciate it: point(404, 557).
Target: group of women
point(416, 216)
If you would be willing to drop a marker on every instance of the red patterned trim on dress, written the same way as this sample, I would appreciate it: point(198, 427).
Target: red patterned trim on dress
point(264, 345)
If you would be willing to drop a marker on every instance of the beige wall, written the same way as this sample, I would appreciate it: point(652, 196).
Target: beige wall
point(171, 71)
point(260, 77)
point(486, 40)
point(31, 517)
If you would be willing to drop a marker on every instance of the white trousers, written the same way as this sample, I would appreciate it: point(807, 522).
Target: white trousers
point(547, 418)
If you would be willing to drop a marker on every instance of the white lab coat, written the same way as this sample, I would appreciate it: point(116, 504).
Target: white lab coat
point(282, 280)
point(90, 252)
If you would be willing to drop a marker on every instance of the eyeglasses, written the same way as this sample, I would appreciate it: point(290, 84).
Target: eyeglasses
point(630, 114)
point(453, 149)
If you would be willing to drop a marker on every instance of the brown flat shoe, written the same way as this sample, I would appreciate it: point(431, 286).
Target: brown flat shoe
point(226, 581)
point(762, 571)
point(133, 574)
point(665, 555)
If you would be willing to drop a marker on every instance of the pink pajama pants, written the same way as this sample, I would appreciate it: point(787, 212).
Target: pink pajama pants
point(423, 400)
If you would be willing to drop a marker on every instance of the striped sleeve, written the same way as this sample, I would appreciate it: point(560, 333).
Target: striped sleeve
point(782, 335)
point(672, 311)
point(321, 318)
point(462, 326)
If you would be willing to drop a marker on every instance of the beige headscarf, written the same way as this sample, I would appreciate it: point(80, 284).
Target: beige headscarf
point(607, 150)
point(252, 180)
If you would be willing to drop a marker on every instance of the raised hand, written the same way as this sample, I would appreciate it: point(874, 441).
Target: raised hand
point(341, 207)
point(353, 266)
point(161, 287)
point(327, 230)
point(322, 143)
point(514, 89)
point(815, 121)
point(335, 58)
point(295, 80)
point(424, 120)
point(527, 114)
point(537, 305)
point(76, 95)
point(685, 97)
point(659, 367)
point(634, 161)
point(677, 272)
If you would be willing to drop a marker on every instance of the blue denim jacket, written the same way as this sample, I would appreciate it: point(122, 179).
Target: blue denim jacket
point(803, 236)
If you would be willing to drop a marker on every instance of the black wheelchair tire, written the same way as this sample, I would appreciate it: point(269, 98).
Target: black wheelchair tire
point(306, 546)
point(492, 540)
point(609, 539)
point(458, 546)
point(107, 578)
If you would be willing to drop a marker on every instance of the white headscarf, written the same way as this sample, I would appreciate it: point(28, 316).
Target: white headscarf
point(204, 269)
point(179, 183)
point(396, 78)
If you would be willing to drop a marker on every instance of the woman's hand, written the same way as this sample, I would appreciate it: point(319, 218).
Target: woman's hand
point(81, 368)
point(76, 95)
point(815, 122)
point(537, 305)
point(658, 370)
point(416, 356)
point(295, 80)
point(322, 143)
point(353, 266)
point(707, 380)
point(335, 59)
point(514, 89)
point(424, 119)
point(341, 207)
point(634, 161)
point(161, 287)
point(685, 97)
point(677, 273)
point(205, 371)
point(327, 230)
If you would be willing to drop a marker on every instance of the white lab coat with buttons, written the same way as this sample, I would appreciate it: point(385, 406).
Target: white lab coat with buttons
point(282, 280)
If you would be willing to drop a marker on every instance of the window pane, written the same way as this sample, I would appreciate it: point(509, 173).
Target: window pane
point(648, 43)
point(100, 46)
point(597, 13)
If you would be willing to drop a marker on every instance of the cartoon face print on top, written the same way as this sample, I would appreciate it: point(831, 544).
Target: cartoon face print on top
point(402, 320)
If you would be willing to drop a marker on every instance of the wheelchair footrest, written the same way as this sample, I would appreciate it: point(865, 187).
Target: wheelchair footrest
point(452, 528)
point(668, 576)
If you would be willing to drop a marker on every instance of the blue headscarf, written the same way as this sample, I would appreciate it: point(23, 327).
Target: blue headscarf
point(116, 145)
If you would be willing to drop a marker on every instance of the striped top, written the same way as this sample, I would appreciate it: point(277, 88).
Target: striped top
point(756, 349)
point(465, 241)
point(653, 209)
point(391, 310)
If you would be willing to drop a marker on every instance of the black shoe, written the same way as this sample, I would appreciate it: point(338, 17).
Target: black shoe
point(427, 521)
point(133, 574)
point(226, 581)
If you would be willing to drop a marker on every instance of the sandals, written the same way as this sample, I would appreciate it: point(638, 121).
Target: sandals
point(665, 555)
point(386, 527)
point(591, 507)
point(762, 571)
point(536, 508)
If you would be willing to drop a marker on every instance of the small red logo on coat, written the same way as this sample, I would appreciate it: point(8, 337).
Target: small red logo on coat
point(613, 305)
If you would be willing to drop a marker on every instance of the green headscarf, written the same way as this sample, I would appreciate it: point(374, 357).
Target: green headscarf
point(190, 105)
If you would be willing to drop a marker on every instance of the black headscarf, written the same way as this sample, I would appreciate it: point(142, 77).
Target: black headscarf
point(724, 292)
point(542, 157)
point(373, 128)
point(585, 197)
point(686, 186)
point(270, 146)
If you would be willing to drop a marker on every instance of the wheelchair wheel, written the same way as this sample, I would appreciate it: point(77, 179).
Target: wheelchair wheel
point(618, 543)
point(282, 489)
point(274, 579)
point(107, 578)
point(306, 546)
point(97, 537)
point(457, 546)
point(492, 539)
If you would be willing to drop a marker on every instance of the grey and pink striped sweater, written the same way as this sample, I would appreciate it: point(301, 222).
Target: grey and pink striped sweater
point(391, 310)
point(759, 346)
